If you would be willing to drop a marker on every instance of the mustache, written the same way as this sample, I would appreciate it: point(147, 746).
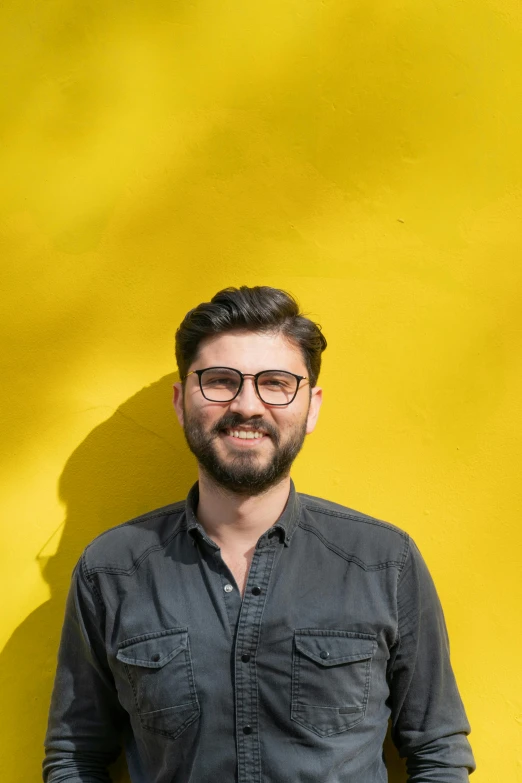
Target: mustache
point(231, 420)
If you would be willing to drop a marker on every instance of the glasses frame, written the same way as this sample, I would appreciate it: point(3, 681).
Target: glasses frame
point(244, 375)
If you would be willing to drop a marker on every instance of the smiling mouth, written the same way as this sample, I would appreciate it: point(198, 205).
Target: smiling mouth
point(243, 434)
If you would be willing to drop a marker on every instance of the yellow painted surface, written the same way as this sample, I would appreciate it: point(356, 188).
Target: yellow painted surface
point(365, 155)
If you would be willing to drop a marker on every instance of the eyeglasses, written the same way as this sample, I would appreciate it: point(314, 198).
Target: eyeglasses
point(223, 384)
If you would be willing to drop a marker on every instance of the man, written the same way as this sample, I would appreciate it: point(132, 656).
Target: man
point(252, 633)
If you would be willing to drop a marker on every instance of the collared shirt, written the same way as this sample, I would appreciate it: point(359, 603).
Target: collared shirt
point(339, 631)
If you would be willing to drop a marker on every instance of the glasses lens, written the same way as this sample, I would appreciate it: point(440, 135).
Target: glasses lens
point(220, 384)
point(277, 387)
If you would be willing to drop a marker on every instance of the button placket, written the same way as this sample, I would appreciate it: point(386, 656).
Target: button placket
point(229, 591)
point(248, 631)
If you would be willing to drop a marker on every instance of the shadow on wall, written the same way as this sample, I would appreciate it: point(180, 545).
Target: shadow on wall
point(135, 461)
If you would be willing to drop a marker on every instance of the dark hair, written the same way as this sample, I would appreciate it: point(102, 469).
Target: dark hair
point(256, 309)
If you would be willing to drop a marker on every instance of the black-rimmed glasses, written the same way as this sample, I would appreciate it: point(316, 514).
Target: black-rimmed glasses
point(223, 384)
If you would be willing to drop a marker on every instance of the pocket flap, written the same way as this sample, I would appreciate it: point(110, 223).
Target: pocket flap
point(153, 650)
point(330, 648)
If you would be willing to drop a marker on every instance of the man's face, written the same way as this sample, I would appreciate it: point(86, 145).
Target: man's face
point(246, 466)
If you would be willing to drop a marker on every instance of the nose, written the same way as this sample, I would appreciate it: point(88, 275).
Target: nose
point(247, 401)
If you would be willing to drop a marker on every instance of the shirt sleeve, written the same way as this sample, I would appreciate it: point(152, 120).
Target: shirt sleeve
point(85, 717)
point(428, 722)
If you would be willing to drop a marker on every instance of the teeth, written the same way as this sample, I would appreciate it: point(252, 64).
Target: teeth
point(246, 434)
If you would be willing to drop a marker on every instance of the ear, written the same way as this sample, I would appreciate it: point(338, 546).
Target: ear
point(178, 401)
point(313, 411)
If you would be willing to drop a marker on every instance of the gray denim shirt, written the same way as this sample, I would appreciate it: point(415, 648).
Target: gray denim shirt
point(339, 630)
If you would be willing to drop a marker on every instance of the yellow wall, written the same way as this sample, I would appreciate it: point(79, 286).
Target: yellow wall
point(367, 156)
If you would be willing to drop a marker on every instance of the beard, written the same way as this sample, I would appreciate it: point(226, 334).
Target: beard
point(241, 474)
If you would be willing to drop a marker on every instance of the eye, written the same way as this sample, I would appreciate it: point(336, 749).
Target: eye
point(219, 379)
point(281, 381)
point(218, 382)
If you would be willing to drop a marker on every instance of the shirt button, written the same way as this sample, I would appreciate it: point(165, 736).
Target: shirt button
point(155, 657)
point(324, 654)
point(245, 658)
point(247, 729)
point(256, 590)
point(228, 588)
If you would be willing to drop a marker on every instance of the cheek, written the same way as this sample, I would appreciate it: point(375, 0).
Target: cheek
point(205, 417)
point(296, 419)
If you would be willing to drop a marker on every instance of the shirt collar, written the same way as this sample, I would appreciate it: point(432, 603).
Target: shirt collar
point(286, 524)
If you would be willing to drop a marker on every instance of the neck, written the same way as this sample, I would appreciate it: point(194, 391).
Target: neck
point(238, 519)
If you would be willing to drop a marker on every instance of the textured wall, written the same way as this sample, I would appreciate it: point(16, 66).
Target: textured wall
point(364, 154)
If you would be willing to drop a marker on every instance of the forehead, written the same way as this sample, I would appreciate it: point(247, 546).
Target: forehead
point(250, 352)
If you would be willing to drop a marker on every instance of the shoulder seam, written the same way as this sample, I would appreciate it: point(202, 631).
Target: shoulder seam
point(356, 518)
point(348, 556)
point(149, 515)
point(136, 563)
point(115, 569)
point(87, 577)
point(405, 553)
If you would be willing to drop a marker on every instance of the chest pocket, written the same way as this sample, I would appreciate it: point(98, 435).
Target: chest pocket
point(331, 672)
point(159, 669)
